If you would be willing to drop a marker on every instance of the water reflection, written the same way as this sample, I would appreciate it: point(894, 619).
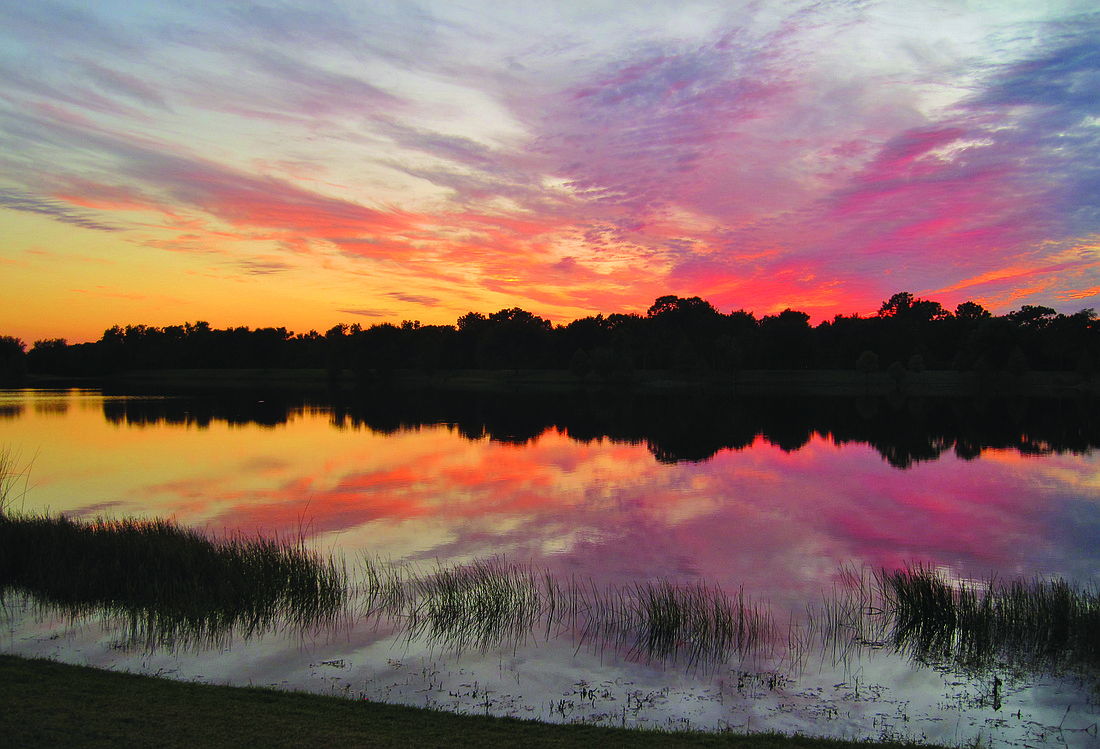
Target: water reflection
point(998, 650)
point(165, 587)
point(1032, 626)
point(614, 491)
point(675, 428)
point(462, 480)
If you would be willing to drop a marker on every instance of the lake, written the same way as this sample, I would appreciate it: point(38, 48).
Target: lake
point(781, 500)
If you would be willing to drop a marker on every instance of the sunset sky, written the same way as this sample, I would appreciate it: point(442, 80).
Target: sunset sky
point(303, 164)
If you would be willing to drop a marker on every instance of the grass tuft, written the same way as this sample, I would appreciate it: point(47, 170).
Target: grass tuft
point(489, 603)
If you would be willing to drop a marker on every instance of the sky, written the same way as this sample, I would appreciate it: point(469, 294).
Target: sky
point(309, 163)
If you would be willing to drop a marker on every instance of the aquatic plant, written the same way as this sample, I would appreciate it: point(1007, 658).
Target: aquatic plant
point(851, 618)
point(11, 476)
point(481, 605)
point(166, 584)
point(169, 586)
point(489, 603)
point(1037, 624)
point(697, 621)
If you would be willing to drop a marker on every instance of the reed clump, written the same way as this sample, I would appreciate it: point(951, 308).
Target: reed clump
point(489, 603)
point(695, 622)
point(1048, 624)
point(169, 585)
point(480, 605)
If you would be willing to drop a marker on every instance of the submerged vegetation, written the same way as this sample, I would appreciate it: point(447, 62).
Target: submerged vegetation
point(163, 586)
point(481, 605)
point(168, 586)
point(973, 626)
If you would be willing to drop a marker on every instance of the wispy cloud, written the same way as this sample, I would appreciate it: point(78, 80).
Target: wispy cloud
point(263, 266)
point(426, 301)
point(55, 209)
point(366, 312)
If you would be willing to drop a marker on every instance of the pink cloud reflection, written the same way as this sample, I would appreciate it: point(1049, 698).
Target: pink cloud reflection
point(777, 523)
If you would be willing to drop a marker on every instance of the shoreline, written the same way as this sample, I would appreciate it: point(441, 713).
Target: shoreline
point(748, 382)
point(56, 704)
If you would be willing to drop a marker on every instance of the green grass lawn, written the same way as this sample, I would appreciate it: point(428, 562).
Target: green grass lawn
point(48, 704)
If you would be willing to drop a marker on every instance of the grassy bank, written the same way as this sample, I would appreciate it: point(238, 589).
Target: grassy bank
point(48, 704)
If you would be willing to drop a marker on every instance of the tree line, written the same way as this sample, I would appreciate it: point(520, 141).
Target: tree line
point(687, 335)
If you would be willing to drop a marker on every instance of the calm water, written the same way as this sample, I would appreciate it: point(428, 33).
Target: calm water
point(772, 497)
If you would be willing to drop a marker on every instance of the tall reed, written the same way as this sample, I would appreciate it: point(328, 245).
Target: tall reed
point(481, 605)
point(11, 476)
point(172, 586)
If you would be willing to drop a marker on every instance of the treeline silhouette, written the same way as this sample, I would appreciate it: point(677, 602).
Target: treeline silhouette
point(684, 334)
point(674, 426)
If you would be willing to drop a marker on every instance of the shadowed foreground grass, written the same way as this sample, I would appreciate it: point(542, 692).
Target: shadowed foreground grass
point(49, 704)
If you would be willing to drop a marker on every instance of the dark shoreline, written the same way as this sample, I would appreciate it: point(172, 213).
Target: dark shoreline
point(749, 382)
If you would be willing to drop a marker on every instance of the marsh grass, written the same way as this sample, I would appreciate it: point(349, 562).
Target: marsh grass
point(978, 626)
point(490, 603)
point(914, 611)
point(697, 622)
point(1037, 624)
point(169, 586)
point(480, 605)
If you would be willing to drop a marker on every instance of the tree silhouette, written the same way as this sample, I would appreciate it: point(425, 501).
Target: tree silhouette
point(13, 361)
point(688, 334)
point(787, 340)
point(513, 339)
